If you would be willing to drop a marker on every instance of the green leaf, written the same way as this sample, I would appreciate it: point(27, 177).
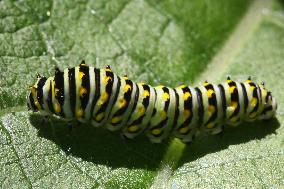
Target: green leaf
point(156, 42)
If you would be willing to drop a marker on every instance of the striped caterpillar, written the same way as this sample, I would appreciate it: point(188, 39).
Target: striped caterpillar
point(99, 96)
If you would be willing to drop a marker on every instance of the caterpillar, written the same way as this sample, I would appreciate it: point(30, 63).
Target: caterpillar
point(99, 96)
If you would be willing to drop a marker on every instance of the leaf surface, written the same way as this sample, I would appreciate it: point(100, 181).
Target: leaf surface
point(152, 41)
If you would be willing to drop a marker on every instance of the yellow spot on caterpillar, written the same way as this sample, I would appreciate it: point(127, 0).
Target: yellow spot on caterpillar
point(163, 115)
point(159, 86)
point(100, 116)
point(107, 79)
point(146, 93)
point(253, 101)
point(228, 81)
point(56, 90)
point(251, 88)
point(126, 88)
point(186, 113)
point(125, 77)
point(232, 89)
point(184, 130)
point(248, 81)
point(104, 97)
point(133, 128)
point(205, 84)
point(82, 91)
point(37, 105)
point(57, 108)
point(264, 92)
point(33, 91)
point(116, 119)
point(122, 103)
point(108, 69)
point(210, 125)
point(79, 112)
point(234, 119)
point(252, 115)
point(81, 75)
point(141, 83)
point(234, 104)
point(141, 110)
point(156, 131)
point(181, 86)
point(210, 92)
point(166, 96)
point(211, 108)
point(186, 95)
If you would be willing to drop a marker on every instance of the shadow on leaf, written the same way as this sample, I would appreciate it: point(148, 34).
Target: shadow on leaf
point(282, 2)
point(231, 135)
point(101, 146)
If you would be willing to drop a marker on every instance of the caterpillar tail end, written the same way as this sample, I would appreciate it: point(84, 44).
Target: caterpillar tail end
point(270, 109)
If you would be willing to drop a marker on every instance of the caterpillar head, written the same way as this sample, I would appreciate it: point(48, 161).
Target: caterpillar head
point(35, 94)
point(270, 105)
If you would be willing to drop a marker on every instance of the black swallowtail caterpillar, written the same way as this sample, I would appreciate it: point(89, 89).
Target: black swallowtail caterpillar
point(99, 96)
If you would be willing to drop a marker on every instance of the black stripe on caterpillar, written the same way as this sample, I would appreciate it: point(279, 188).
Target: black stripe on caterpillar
point(99, 96)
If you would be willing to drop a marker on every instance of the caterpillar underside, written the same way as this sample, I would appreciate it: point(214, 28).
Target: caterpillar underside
point(99, 96)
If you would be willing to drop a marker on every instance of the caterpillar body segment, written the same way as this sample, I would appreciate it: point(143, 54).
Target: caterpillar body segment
point(101, 97)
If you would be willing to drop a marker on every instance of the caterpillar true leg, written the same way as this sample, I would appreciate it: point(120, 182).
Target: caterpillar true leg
point(44, 120)
point(123, 137)
point(222, 131)
point(70, 126)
